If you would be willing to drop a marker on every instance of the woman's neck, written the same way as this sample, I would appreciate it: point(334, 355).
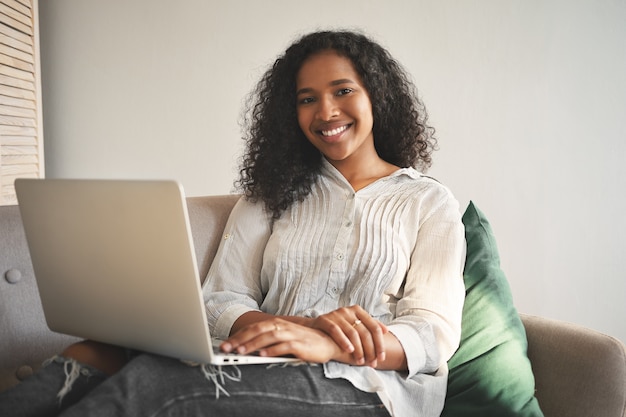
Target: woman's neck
point(365, 172)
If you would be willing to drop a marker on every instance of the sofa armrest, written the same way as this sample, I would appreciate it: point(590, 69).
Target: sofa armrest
point(578, 372)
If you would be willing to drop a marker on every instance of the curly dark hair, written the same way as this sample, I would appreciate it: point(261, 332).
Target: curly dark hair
point(280, 165)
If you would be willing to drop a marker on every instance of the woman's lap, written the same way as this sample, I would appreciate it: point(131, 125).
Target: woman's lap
point(151, 385)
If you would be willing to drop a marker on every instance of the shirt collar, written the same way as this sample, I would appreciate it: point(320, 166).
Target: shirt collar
point(334, 172)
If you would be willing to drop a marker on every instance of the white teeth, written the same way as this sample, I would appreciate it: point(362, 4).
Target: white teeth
point(334, 131)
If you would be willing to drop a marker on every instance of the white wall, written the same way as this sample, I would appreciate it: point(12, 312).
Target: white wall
point(528, 98)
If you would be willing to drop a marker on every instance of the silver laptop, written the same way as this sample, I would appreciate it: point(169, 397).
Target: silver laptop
point(114, 262)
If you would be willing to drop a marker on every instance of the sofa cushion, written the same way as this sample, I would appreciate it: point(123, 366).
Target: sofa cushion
point(490, 374)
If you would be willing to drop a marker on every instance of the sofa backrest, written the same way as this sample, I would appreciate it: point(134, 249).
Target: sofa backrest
point(208, 216)
point(25, 340)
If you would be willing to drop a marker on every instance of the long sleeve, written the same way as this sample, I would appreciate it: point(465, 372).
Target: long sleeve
point(233, 286)
point(432, 298)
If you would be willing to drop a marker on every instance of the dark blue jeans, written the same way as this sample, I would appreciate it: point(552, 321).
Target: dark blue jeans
point(151, 385)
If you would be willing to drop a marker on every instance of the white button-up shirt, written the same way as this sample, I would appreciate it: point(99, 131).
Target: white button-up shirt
point(395, 247)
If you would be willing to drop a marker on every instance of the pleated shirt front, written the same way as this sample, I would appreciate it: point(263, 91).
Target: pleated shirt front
point(395, 247)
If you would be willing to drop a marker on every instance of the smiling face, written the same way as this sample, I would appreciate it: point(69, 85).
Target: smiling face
point(334, 109)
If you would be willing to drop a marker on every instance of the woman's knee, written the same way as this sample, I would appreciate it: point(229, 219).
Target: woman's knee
point(104, 357)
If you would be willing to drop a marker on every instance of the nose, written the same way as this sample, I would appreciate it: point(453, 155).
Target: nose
point(327, 109)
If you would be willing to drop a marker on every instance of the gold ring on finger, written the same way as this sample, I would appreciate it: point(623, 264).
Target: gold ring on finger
point(357, 322)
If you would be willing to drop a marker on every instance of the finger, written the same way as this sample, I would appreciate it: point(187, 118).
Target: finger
point(348, 319)
point(356, 332)
point(371, 334)
point(348, 323)
point(336, 332)
point(304, 343)
point(352, 331)
point(286, 348)
point(372, 340)
point(254, 336)
point(366, 343)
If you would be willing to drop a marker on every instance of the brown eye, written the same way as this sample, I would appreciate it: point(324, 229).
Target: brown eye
point(306, 100)
point(344, 91)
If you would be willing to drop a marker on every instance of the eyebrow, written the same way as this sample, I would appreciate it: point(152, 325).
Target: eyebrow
point(332, 83)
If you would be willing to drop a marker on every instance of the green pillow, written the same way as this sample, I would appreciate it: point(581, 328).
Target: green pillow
point(490, 374)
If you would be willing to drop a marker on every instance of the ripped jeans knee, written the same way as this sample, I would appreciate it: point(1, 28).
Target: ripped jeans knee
point(73, 372)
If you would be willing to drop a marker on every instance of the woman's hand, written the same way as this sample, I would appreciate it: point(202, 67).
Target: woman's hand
point(356, 332)
point(279, 337)
point(289, 335)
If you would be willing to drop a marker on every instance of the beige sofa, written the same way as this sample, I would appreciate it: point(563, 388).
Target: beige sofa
point(578, 372)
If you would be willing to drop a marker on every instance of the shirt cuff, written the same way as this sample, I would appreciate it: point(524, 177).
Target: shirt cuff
point(228, 317)
point(414, 349)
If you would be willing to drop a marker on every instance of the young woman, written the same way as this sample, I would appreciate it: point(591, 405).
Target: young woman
point(340, 253)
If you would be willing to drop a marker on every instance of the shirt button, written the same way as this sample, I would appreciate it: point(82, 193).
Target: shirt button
point(333, 292)
point(348, 223)
point(340, 256)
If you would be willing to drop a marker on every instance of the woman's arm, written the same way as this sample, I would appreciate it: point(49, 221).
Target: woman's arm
point(352, 329)
point(428, 314)
point(280, 336)
point(233, 285)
